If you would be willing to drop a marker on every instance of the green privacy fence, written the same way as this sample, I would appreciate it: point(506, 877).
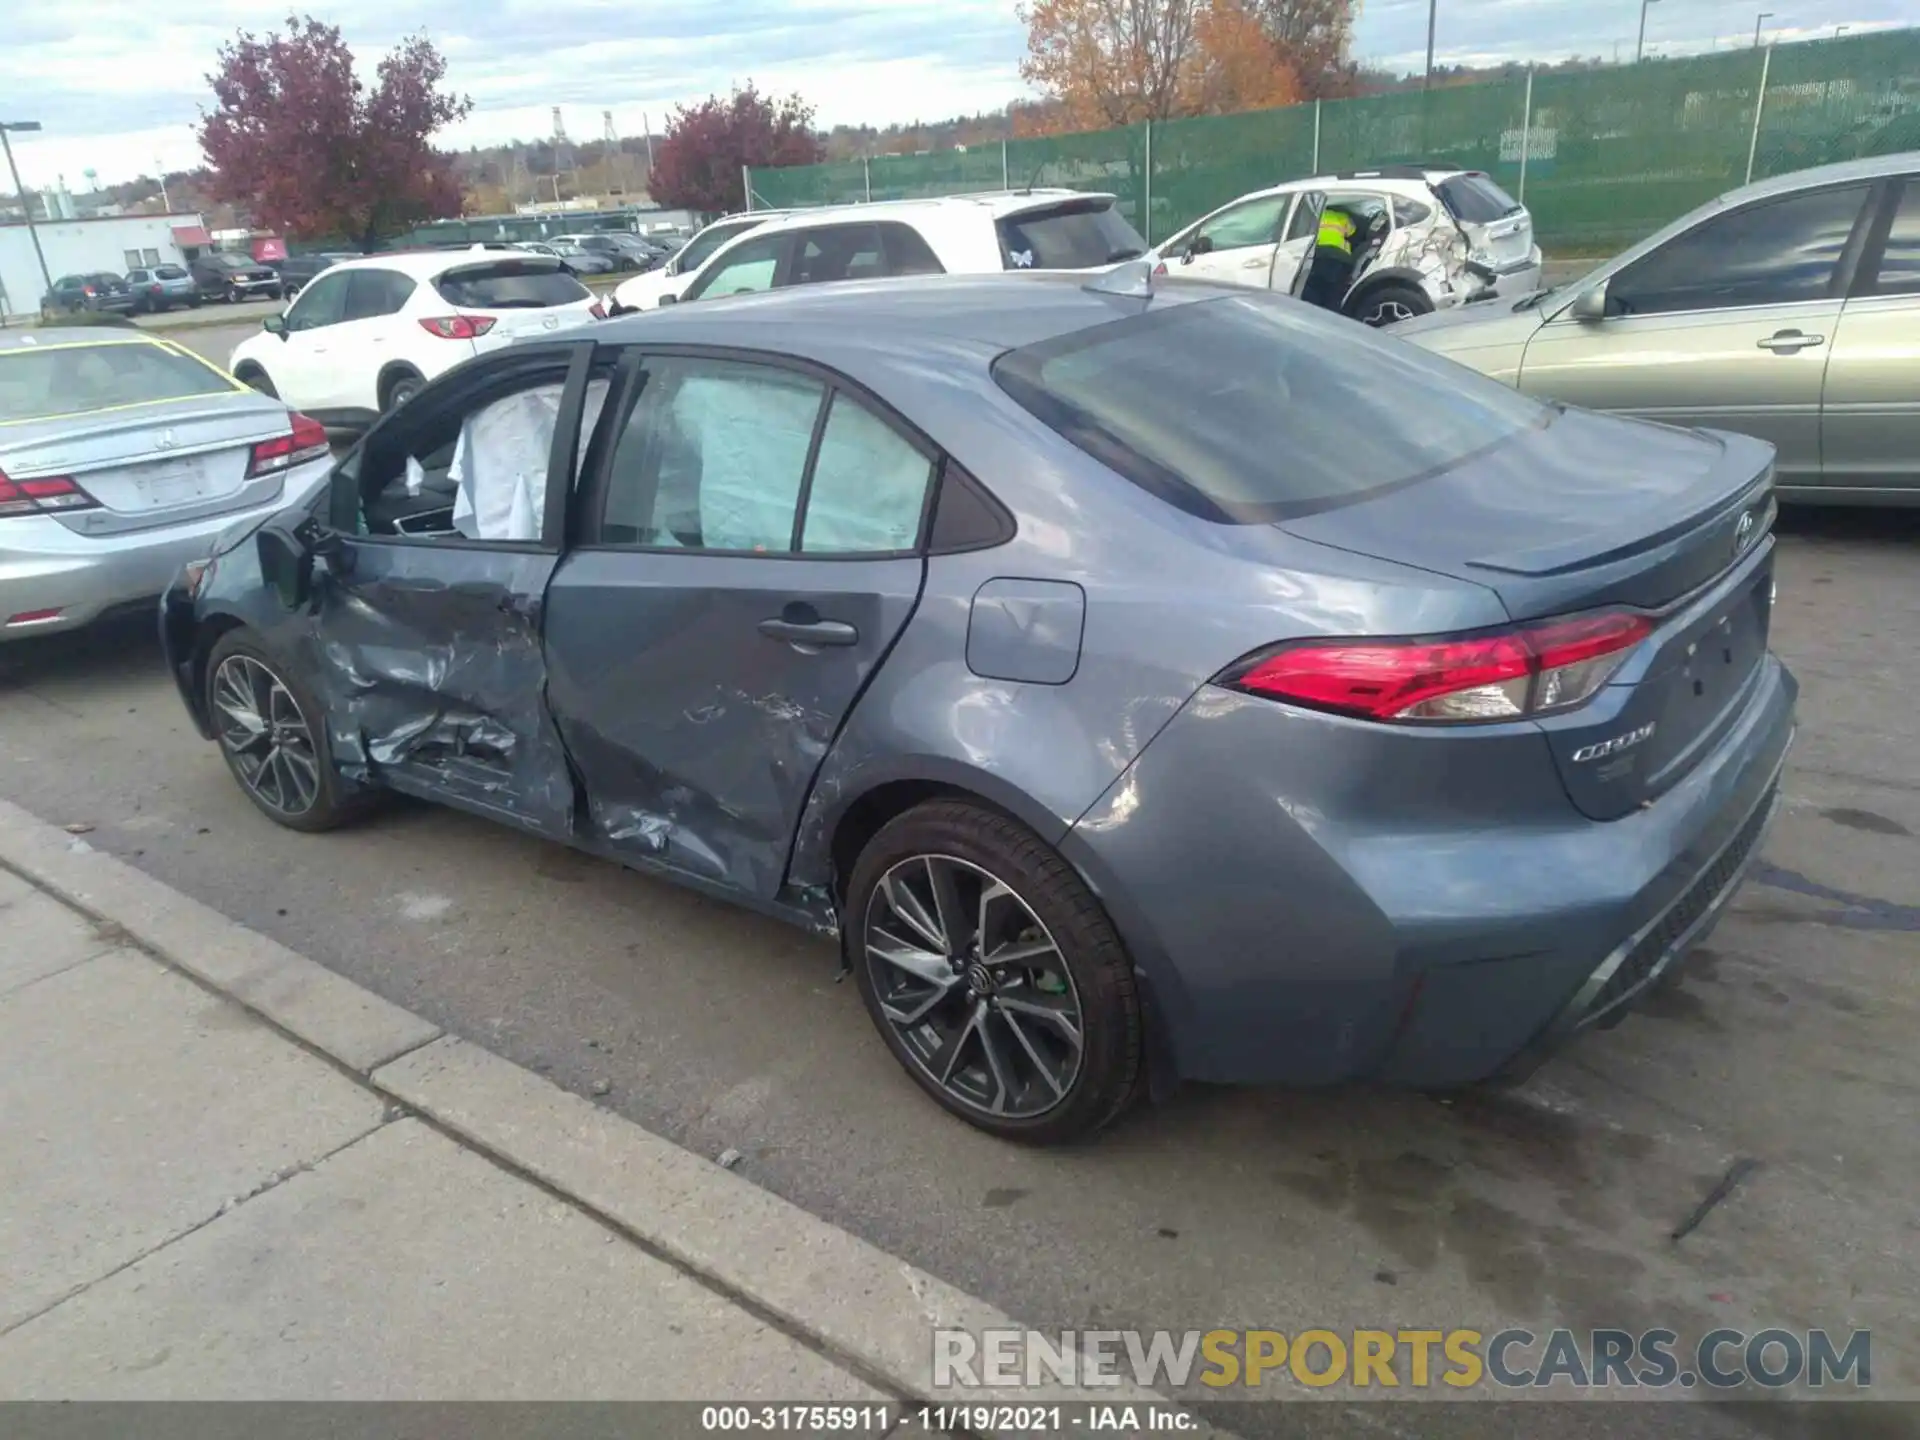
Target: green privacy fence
point(1601, 157)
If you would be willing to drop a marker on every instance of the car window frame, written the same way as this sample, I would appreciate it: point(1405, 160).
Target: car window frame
point(488, 378)
point(586, 525)
point(1846, 270)
point(782, 264)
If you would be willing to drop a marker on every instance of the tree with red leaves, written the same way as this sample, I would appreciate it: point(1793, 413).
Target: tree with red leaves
point(697, 167)
point(299, 142)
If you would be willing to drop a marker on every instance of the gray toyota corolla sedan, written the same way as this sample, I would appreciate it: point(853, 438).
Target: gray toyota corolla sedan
point(1140, 686)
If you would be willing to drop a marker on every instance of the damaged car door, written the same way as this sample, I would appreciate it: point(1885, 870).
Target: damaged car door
point(444, 530)
point(749, 548)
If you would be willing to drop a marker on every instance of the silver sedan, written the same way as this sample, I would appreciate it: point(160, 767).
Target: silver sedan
point(121, 456)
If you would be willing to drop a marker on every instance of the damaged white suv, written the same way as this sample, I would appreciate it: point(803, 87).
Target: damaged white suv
point(1426, 240)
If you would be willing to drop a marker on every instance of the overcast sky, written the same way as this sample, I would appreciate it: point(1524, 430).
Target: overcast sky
point(117, 84)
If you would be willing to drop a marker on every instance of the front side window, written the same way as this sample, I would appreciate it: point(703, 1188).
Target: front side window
point(869, 485)
point(710, 240)
point(136, 277)
point(1255, 222)
point(712, 458)
point(321, 304)
point(1900, 264)
point(1251, 409)
point(838, 252)
point(1774, 253)
point(747, 268)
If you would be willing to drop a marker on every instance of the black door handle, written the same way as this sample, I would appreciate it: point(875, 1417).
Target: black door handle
point(811, 632)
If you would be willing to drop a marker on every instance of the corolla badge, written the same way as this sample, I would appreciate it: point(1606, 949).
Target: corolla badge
point(1616, 744)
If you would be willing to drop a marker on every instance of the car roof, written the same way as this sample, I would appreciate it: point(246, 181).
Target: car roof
point(1873, 168)
point(988, 313)
point(993, 204)
point(427, 264)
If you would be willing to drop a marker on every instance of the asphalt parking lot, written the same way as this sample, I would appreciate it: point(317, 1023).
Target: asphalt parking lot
point(1787, 1042)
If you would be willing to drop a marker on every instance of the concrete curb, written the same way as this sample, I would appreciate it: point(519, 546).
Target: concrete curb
point(851, 1300)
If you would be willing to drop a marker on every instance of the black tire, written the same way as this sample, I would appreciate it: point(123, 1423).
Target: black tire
point(1095, 975)
point(256, 378)
point(1389, 303)
point(193, 303)
point(398, 389)
point(331, 804)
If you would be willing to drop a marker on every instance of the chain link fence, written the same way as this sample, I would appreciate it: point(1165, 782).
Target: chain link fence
point(1601, 157)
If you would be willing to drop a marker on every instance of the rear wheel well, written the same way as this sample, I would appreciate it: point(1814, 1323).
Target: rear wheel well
point(866, 816)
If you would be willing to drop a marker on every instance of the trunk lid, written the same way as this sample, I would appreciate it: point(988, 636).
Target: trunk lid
point(153, 465)
point(1588, 512)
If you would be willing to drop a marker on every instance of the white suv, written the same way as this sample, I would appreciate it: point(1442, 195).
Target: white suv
point(954, 234)
point(643, 292)
point(1428, 240)
point(366, 334)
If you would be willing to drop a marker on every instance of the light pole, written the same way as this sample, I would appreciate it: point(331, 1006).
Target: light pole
point(7, 127)
point(1433, 20)
point(1640, 45)
point(1758, 21)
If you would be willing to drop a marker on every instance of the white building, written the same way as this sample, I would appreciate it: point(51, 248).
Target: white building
point(75, 247)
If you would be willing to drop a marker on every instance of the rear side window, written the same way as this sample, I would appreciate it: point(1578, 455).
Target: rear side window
point(838, 252)
point(1075, 236)
point(907, 252)
point(78, 379)
point(1900, 264)
point(1476, 199)
point(1253, 409)
point(373, 293)
point(509, 285)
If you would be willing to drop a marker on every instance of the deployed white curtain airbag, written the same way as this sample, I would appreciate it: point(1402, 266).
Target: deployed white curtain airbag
point(500, 461)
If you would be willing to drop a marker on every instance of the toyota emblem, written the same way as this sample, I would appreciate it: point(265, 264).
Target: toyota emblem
point(1743, 533)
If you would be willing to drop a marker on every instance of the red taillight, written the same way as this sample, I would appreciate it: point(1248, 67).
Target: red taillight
point(308, 441)
point(1529, 671)
point(597, 310)
point(42, 496)
point(457, 327)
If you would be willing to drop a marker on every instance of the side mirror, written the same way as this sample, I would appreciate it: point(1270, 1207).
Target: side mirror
point(1591, 305)
point(1199, 245)
point(669, 298)
point(286, 560)
point(275, 325)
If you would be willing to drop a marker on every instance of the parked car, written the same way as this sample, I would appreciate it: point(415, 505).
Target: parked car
point(1428, 240)
point(643, 292)
point(297, 271)
point(1789, 309)
point(572, 258)
point(620, 251)
point(1140, 685)
point(159, 288)
point(961, 234)
point(121, 457)
point(226, 275)
point(99, 291)
point(368, 333)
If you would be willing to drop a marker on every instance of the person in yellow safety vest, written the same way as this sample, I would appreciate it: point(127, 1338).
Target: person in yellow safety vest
point(1331, 261)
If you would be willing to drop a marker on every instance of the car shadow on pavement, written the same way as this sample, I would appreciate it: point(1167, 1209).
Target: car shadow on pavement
point(121, 644)
point(1855, 524)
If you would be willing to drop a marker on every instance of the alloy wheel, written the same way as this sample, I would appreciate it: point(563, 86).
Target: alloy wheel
point(974, 986)
point(265, 736)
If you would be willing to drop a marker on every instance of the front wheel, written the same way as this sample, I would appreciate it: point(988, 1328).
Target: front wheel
point(272, 735)
point(994, 974)
point(1391, 303)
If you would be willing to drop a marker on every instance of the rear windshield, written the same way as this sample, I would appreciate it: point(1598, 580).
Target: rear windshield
point(1254, 409)
point(509, 285)
point(1476, 199)
point(170, 272)
point(1076, 236)
point(38, 384)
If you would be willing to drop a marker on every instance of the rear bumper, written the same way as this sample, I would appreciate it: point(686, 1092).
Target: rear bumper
point(1288, 932)
point(45, 566)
